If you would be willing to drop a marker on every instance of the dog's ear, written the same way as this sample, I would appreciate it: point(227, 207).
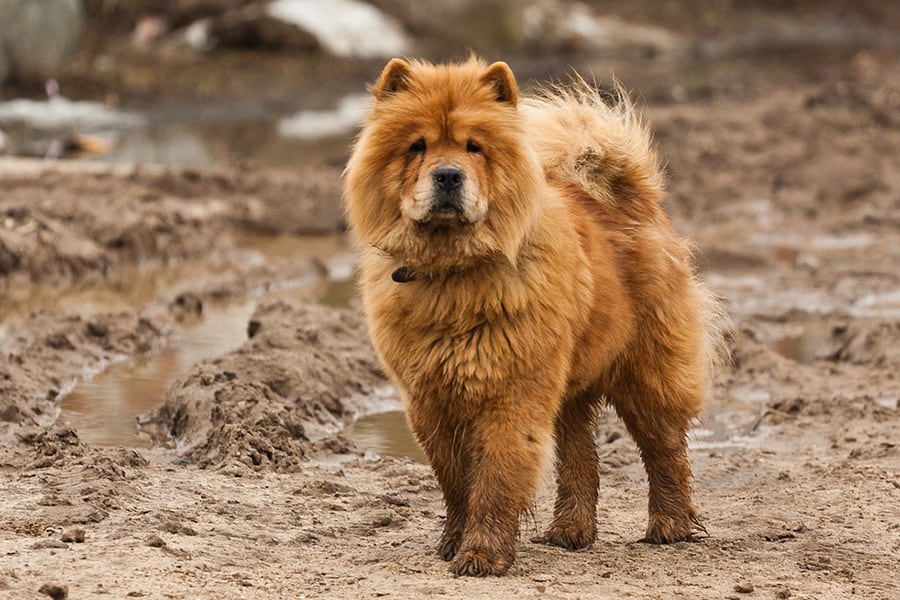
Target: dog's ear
point(394, 78)
point(501, 79)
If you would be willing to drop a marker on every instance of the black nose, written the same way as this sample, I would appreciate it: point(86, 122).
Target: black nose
point(448, 178)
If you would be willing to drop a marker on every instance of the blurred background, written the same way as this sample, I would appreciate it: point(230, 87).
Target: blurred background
point(281, 82)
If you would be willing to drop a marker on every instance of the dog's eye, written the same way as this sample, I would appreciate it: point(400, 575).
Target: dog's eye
point(418, 147)
point(472, 147)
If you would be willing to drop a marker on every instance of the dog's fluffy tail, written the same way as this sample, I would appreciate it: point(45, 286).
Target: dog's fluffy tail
point(596, 140)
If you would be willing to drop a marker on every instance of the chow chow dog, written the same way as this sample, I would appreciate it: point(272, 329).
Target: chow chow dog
point(518, 273)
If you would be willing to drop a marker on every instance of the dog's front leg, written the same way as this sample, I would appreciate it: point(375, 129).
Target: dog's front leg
point(509, 443)
point(443, 436)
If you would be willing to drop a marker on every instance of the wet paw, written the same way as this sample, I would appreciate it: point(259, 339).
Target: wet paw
point(663, 529)
point(478, 563)
point(448, 546)
point(570, 537)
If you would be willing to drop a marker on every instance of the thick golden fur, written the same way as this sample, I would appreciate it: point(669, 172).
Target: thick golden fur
point(558, 284)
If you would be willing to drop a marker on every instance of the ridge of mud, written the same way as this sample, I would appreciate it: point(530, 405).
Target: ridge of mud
point(304, 371)
point(128, 217)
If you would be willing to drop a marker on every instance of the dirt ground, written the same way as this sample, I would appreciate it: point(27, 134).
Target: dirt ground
point(791, 192)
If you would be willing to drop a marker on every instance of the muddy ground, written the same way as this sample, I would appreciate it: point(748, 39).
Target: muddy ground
point(791, 192)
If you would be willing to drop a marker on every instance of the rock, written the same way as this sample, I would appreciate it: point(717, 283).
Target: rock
point(455, 25)
point(187, 307)
point(177, 528)
point(252, 30)
point(55, 591)
point(154, 541)
point(578, 27)
point(184, 12)
point(346, 28)
point(75, 534)
point(37, 37)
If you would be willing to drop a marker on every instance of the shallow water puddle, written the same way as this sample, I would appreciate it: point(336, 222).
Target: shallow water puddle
point(730, 422)
point(104, 410)
point(141, 284)
point(806, 345)
point(205, 144)
point(386, 434)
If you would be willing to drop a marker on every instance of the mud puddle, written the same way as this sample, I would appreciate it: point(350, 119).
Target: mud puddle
point(806, 344)
point(139, 285)
point(222, 290)
point(385, 434)
point(104, 410)
point(187, 144)
point(734, 422)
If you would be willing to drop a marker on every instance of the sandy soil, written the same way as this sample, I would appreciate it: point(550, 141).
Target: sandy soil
point(793, 198)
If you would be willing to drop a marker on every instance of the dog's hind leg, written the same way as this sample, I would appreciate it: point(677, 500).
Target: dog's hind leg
point(658, 418)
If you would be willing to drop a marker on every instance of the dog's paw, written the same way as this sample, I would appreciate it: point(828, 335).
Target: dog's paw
point(479, 563)
point(570, 537)
point(663, 529)
point(448, 546)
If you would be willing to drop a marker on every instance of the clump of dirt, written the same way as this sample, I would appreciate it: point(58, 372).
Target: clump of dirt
point(51, 352)
point(873, 342)
point(305, 371)
point(48, 447)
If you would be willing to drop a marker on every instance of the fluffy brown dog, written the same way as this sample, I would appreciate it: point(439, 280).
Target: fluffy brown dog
point(517, 270)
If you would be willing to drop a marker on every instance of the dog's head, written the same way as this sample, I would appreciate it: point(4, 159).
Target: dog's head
point(441, 176)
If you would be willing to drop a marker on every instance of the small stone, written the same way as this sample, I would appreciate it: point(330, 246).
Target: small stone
point(154, 541)
point(57, 592)
point(75, 534)
point(540, 577)
point(177, 528)
point(783, 594)
point(744, 588)
point(383, 518)
point(97, 329)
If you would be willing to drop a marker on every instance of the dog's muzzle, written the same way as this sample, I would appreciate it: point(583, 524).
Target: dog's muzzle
point(447, 199)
